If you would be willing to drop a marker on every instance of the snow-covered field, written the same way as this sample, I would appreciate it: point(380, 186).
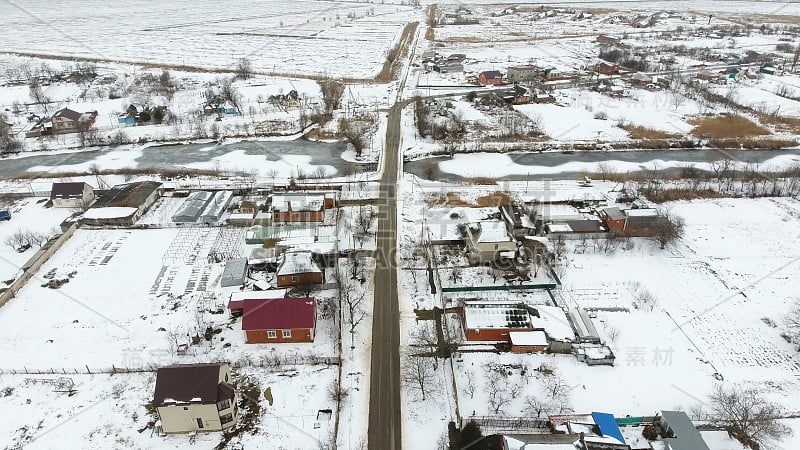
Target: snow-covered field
point(338, 38)
point(719, 293)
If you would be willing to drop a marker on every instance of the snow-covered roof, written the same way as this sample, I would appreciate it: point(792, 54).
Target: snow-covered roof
point(297, 262)
point(553, 320)
point(480, 315)
point(564, 194)
point(490, 231)
point(298, 202)
point(645, 212)
point(557, 211)
point(109, 212)
point(558, 228)
point(583, 324)
point(250, 295)
point(528, 338)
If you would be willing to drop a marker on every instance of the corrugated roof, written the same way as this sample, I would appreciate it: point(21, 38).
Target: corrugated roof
point(685, 435)
point(188, 383)
point(131, 195)
point(67, 190)
point(279, 314)
point(608, 425)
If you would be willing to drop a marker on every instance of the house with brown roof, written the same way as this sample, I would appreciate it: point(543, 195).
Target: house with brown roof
point(488, 77)
point(66, 120)
point(71, 195)
point(279, 320)
point(195, 397)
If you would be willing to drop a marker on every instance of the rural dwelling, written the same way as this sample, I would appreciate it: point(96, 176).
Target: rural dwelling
point(607, 69)
point(298, 269)
point(707, 75)
point(604, 39)
point(123, 204)
point(682, 432)
point(491, 321)
point(517, 95)
point(641, 79)
point(528, 341)
point(126, 119)
point(66, 120)
point(298, 207)
point(488, 241)
point(71, 195)
point(195, 397)
point(235, 273)
point(490, 77)
point(522, 74)
point(279, 320)
point(236, 302)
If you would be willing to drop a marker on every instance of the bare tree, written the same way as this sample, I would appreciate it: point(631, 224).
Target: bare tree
point(669, 229)
point(37, 94)
point(497, 390)
point(792, 322)
point(244, 68)
point(750, 417)
point(353, 304)
point(336, 392)
point(470, 388)
point(228, 92)
point(419, 375)
point(424, 336)
point(8, 141)
point(332, 91)
point(354, 137)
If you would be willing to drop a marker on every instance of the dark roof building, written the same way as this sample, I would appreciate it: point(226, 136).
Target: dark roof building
point(67, 190)
point(129, 195)
point(191, 383)
point(124, 204)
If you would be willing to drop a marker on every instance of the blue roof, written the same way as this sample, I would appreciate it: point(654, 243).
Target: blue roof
point(608, 425)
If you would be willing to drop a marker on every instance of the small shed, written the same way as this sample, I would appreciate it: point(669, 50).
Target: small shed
point(235, 273)
point(528, 341)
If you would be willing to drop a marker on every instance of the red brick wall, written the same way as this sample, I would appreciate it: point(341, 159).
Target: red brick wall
point(289, 216)
point(302, 279)
point(528, 348)
point(491, 334)
point(261, 336)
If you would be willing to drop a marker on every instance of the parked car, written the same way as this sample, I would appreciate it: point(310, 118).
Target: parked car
point(22, 248)
point(5, 215)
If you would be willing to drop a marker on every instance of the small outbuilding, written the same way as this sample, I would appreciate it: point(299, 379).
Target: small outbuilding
point(298, 269)
point(71, 195)
point(235, 273)
point(528, 341)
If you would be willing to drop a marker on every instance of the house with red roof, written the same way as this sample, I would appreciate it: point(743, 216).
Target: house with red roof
point(279, 320)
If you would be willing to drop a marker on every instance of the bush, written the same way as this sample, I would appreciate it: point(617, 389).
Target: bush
point(651, 432)
point(119, 138)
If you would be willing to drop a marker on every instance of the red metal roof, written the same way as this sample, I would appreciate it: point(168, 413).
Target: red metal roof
point(279, 314)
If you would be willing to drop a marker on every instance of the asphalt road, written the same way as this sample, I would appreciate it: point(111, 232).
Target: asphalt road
point(384, 400)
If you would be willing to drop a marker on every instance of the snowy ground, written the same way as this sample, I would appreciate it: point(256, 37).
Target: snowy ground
point(717, 292)
point(28, 214)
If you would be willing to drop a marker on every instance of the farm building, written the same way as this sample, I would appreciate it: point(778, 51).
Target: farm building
point(298, 269)
point(518, 223)
point(71, 195)
point(576, 229)
point(236, 301)
point(192, 206)
point(488, 240)
point(235, 273)
point(298, 207)
point(594, 354)
point(489, 321)
point(528, 341)
point(216, 207)
point(640, 222)
point(279, 320)
point(123, 204)
point(195, 397)
point(583, 326)
point(553, 321)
